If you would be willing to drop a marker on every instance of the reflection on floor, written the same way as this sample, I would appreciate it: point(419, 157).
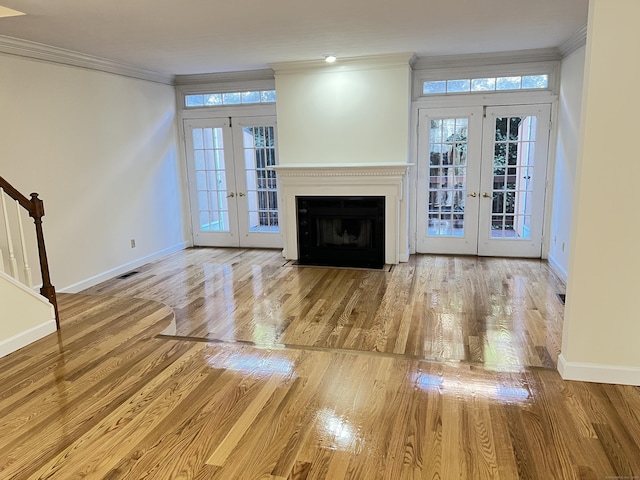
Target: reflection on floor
point(442, 368)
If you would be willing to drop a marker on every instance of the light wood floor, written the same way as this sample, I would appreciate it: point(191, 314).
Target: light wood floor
point(225, 364)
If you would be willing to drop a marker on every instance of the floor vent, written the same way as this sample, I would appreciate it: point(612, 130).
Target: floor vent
point(562, 297)
point(128, 274)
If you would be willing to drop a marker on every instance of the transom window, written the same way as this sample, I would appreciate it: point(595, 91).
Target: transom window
point(195, 100)
point(485, 84)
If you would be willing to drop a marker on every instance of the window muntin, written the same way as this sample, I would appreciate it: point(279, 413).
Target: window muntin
point(486, 84)
point(199, 100)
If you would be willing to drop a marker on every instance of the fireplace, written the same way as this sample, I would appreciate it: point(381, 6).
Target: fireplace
point(346, 180)
point(341, 231)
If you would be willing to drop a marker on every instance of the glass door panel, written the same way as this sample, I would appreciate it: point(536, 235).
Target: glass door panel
point(234, 194)
point(449, 148)
point(516, 141)
point(258, 187)
point(211, 182)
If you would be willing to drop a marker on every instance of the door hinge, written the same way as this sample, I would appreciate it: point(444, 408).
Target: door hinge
point(230, 124)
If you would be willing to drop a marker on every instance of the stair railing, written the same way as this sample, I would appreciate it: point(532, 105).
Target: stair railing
point(35, 208)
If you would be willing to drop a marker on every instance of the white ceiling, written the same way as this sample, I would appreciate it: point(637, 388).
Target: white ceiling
point(205, 36)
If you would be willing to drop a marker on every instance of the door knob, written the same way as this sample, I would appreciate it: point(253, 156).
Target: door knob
point(231, 195)
point(474, 195)
point(241, 194)
point(486, 195)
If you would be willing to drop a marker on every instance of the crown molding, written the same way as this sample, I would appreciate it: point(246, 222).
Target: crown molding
point(574, 42)
point(39, 51)
point(225, 77)
point(345, 64)
point(486, 59)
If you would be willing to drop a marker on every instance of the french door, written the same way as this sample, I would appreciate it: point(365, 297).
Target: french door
point(233, 191)
point(481, 180)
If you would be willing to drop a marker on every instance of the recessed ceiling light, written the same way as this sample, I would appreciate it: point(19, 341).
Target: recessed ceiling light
point(330, 58)
point(8, 12)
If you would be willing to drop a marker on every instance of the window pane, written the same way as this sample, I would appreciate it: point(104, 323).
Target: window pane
point(457, 86)
point(231, 98)
point(194, 100)
point(483, 84)
point(250, 97)
point(535, 81)
point(430, 88)
point(213, 99)
point(508, 83)
point(268, 96)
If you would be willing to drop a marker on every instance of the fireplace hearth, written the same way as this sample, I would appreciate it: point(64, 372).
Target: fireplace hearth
point(342, 231)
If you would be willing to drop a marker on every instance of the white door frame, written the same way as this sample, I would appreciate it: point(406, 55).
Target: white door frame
point(471, 100)
point(222, 118)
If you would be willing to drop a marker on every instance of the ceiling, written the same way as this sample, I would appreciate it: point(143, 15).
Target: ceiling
point(205, 36)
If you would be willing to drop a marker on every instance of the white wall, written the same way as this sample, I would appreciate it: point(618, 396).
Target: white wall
point(24, 316)
point(350, 112)
point(602, 322)
point(101, 150)
point(570, 105)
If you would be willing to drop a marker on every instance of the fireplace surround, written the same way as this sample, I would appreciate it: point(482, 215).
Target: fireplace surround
point(387, 180)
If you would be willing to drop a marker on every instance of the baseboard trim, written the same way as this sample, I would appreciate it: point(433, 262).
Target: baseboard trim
point(114, 272)
point(27, 337)
point(558, 269)
point(592, 372)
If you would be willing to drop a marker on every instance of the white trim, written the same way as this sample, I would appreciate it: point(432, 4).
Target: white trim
point(592, 372)
point(26, 288)
point(365, 179)
point(487, 59)
point(230, 78)
point(39, 51)
point(376, 62)
point(557, 268)
point(576, 41)
point(114, 272)
point(27, 337)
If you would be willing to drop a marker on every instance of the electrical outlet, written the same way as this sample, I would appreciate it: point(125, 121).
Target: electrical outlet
point(133, 243)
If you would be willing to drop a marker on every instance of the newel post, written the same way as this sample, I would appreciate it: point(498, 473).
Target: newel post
point(47, 290)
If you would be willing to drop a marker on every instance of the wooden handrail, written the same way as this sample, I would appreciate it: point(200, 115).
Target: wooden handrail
point(35, 207)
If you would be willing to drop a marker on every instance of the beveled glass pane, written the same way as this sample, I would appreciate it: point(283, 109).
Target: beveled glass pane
point(219, 156)
point(204, 221)
point(267, 96)
point(207, 134)
point(508, 83)
point(435, 132)
point(197, 138)
point(203, 200)
point(201, 180)
point(193, 100)
point(231, 98)
point(210, 159)
point(483, 84)
point(218, 138)
point(251, 97)
point(213, 99)
point(213, 201)
point(198, 157)
point(535, 81)
point(514, 128)
point(434, 87)
point(501, 129)
point(458, 86)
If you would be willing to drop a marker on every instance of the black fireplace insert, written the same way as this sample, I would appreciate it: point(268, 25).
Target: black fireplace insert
point(341, 231)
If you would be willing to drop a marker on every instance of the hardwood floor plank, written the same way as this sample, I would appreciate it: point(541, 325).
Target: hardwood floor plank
point(443, 368)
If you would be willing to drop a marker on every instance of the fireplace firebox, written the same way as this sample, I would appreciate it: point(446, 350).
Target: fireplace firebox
point(342, 231)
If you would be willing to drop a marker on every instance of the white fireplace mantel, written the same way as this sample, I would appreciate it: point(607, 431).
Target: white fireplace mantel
point(352, 179)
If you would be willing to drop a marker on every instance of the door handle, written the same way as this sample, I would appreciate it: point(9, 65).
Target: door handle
point(486, 195)
point(474, 195)
point(241, 194)
point(231, 195)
